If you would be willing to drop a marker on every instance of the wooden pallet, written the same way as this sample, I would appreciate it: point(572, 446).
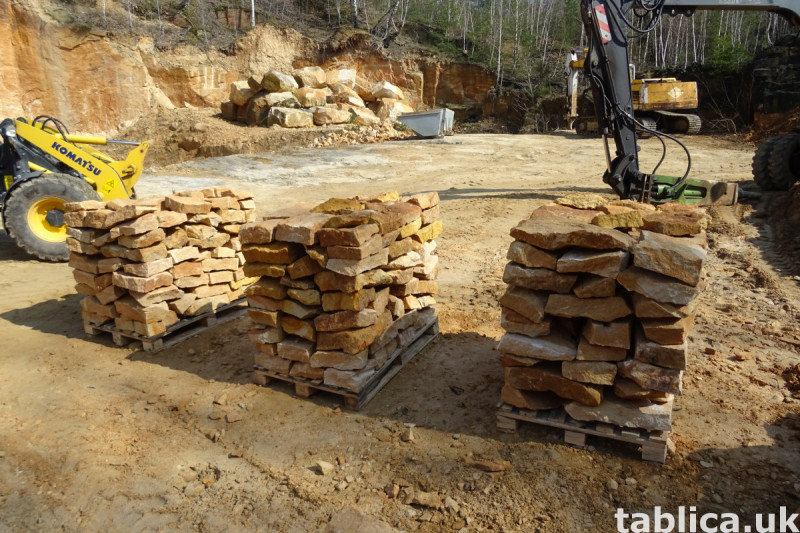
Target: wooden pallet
point(178, 332)
point(305, 388)
point(653, 443)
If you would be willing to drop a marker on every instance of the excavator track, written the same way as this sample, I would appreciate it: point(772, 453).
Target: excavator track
point(685, 123)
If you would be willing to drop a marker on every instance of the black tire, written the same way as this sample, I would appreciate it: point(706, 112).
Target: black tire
point(784, 162)
point(38, 191)
point(761, 173)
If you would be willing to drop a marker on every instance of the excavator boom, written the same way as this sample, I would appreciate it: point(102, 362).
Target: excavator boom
point(606, 67)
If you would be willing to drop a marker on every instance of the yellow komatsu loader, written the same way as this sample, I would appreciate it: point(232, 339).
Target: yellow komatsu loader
point(44, 167)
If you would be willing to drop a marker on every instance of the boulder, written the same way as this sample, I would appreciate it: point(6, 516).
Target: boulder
point(290, 118)
point(389, 109)
point(328, 115)
point(285, 99)
point(278, 82)
point(384, 89)
point(364, 117)
point(313, 77)
point(241, 93)
point(309, 97)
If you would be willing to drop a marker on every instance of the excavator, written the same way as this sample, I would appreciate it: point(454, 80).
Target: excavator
point(607, 24)
point(659, 103)
point(45, 167)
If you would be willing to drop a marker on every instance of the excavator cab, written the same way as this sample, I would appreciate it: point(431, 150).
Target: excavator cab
point(45, 167)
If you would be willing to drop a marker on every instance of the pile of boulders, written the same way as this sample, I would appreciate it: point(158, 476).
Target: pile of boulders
point(146, 263)
point(598, 308)
point(344, 285)
point(311, 96)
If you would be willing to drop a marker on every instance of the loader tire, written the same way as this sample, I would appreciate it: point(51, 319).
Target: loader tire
point(784, 162)
point(761, 173)
point(34, 214)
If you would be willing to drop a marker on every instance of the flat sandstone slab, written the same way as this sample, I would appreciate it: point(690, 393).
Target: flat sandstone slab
point(554, 233)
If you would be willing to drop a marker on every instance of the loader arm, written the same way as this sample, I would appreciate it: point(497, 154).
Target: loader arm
point(111, 179)
point(606, 68)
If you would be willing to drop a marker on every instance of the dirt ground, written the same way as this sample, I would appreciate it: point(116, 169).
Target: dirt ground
point(96, 437)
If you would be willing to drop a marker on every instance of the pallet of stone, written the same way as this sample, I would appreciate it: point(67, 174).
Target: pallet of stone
point(174, 334)
point(305, 387)
point(653, 443)
point(600, 300)
point(145, 264)
point(342, 286)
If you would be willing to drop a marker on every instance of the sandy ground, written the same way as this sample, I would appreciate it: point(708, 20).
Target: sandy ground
point(96, 437)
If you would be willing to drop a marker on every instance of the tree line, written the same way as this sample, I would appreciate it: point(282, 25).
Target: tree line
point(521, 41)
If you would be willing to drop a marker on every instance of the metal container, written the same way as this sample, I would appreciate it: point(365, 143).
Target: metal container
point(433, 123)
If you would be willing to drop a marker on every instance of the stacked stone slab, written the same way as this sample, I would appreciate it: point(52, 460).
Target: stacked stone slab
point(343, 285)
point(311, 96)
point(146, 263)
point(598, 308)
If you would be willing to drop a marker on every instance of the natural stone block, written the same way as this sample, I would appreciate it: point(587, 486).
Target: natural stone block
point(182, 304)
point(206, 291)
point(425, 200)
point(289, 118)
point(554, 347)
point(652, 377)
point(627, 389)
point(300, 328)
point(592, 286)
point(626, 413)
point(188, 205)
point(538, 278)
point(530, 256)
point(352, 380)
point(225, 263)
point(138, 284)
point(128, 307)
point(269, 287)
point(547, 377)
point(597, 372)
point(565, 212)
point(600, 309)
point(267, 335)
point(258, 232)
point(277, 82)
point(255, 270)
point(177, 238)
point(343, 301)
point(97, 282)
point(429, 232)
point(187, 268)
point(372, 246)
point(146, 255)
point(658, 287)
point(301, 229)
point(339, 360)
point(630, 218)
point(187, 253)
point(275, 253)
point(296, 349)
point(310, 77)
point(429, 216)
point(644, 307)
point(224, 276)
point(615, 334)
point(602, 263)
point(667, 356)
point(676, 224)
point(530, 304)
point(513, 322)
point(305, 296)
point(162, 294)
point(344, 320)
point(350, 341)
point(357, 236)
point(553, 233)
point(299, 310)
point(189, 282)
point(267, 318)
point(409, 260)
point(350, 267)
point(672, 256)
point(535, 401)
point(667, 330)
point(592, 352)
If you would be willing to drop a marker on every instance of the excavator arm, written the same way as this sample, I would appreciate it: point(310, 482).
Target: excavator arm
point(606, 67)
